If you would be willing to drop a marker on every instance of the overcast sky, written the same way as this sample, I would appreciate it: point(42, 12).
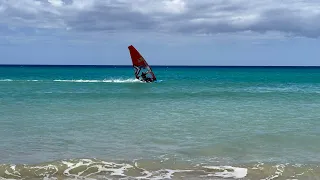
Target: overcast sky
point(166, 32)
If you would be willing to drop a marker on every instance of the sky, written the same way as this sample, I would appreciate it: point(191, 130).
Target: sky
point(165, 32)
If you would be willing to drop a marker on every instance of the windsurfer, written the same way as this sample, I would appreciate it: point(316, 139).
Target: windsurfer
point(140, 65)
point(145, 78)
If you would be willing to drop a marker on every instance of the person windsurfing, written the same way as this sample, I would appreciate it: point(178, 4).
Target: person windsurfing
point(145, 78)
point(139, 62)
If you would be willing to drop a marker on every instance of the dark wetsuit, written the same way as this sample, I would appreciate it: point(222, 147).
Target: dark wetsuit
point(145, 78)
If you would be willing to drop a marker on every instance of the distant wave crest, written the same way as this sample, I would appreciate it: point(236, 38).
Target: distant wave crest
point(5, 80)
point(78, 80)
point(99, 81)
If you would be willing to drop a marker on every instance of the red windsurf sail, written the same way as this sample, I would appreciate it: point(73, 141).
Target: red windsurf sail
point(142, 70)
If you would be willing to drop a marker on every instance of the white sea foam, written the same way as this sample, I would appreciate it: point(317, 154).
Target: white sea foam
point(47, 168)
point(99, 81)
point(10, 80)
point(278, 173)
point(258, 166)
point(118, 170)
point(113, 168)
point(228, 171)
point(91, 169)
point(5, 80)
point(79, 80)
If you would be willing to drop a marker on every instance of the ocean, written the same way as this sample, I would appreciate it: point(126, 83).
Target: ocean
point(98, 122)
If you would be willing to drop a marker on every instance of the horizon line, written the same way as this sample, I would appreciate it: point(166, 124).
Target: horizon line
point(115, 65)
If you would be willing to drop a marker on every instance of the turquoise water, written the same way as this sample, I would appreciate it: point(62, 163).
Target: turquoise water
point(195, 123)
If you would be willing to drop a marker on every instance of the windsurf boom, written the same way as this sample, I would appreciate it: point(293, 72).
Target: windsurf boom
point(142, 70)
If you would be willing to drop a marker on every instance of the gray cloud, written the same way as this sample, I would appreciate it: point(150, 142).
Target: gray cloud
point(109, 18)
point(291, 17)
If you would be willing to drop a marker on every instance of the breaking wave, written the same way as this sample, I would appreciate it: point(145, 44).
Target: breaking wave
point(98, 169)
point(142, 169)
